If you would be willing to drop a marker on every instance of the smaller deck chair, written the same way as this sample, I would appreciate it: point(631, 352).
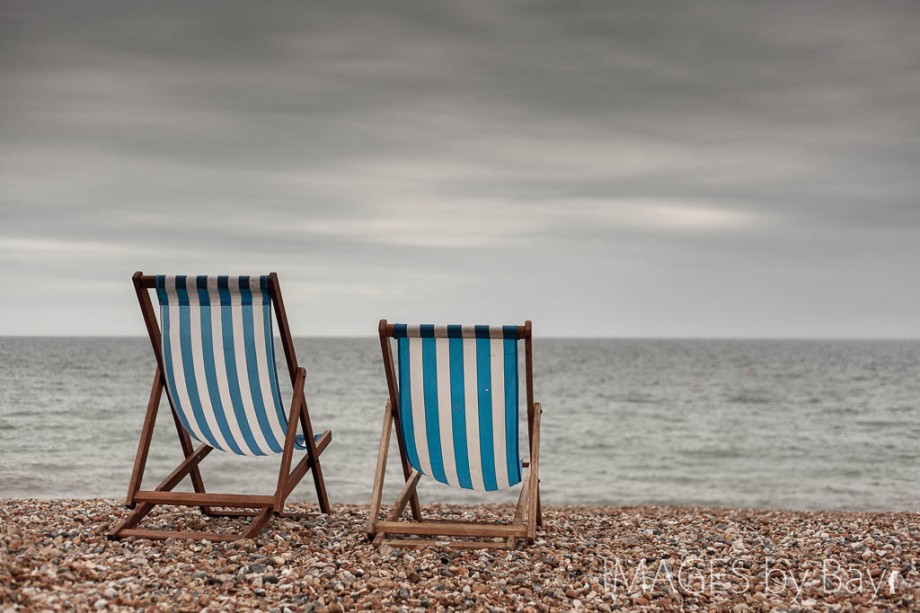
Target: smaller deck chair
point(453, 401)
point(215, 358)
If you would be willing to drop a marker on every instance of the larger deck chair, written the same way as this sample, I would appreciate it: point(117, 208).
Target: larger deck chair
point(453, 402)
point(215, 358)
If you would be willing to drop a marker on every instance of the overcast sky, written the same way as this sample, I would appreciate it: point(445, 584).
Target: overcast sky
point(603, 168)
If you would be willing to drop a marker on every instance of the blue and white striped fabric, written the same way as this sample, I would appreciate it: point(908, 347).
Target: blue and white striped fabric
point(219, 361)
point(458, 403)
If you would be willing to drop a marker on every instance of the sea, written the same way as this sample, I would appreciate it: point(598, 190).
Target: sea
point(789, 424)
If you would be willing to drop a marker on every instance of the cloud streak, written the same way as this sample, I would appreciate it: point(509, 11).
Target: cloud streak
point(706, 169)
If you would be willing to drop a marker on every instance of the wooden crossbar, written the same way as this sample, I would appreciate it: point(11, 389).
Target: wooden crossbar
point(194, 499)
point(450, 528)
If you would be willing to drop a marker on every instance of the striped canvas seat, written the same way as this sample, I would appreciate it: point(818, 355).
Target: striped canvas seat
point(458, 403)
point(219, 361)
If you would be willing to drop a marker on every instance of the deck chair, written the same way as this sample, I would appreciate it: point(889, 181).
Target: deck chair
point(453, 402)
point(215, 358)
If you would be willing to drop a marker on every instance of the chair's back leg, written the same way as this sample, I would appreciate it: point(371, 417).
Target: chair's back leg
point(317, 470)
point(290, 437)
point(380, 474)
point(534, 474)
point(539, 506)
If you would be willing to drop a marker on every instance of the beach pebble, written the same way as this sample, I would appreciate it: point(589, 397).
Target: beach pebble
point(54, 553)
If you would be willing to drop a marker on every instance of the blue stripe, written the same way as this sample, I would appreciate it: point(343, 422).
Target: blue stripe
point(484, 387)
point(162, 297)
point(270, 355)
point(233, 383)
point(188, 364)
point(511, 411)
point(245, 292)
point(223, 283)
point(181, 292)
point(510, 332)
point(252, 369)
point(210, 370)
point(458, 411)
point(426, 330)
point(400, 331)
point(405, 403)
point(432, 425)
point(482, 332)
point(168, 366)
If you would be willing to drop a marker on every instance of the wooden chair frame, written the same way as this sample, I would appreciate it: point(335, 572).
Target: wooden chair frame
point(527, 515)
point(260, 508)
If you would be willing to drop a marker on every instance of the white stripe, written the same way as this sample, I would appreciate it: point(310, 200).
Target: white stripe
point(220, 367)
point(265, 383)
point(445, 413)
point(191, 289)
point(207, 407)
point(256, 289)
point(416, 375)
point(497, 351)
point(184, 404)
point(242, 373)
point(471, 397)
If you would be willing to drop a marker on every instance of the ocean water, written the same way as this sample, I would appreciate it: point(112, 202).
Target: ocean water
point(780, 424)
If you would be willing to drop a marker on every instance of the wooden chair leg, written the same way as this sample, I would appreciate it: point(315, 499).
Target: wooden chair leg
point(408, 491)
point(289, 439)
point(539, 506)
point(299, 415)
point(305, 464)
point(523, 498)
point(133, 518)
point(318, 482)
point(258, 523)
point(534, 475)
point(380, 473)
point(143, 445)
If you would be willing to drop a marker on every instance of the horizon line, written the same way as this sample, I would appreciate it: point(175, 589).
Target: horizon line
point(550, 337)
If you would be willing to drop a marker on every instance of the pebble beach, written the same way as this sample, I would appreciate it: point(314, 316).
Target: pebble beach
point(54, 555)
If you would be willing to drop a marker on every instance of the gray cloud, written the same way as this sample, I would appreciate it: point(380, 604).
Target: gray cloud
point(704, 169)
